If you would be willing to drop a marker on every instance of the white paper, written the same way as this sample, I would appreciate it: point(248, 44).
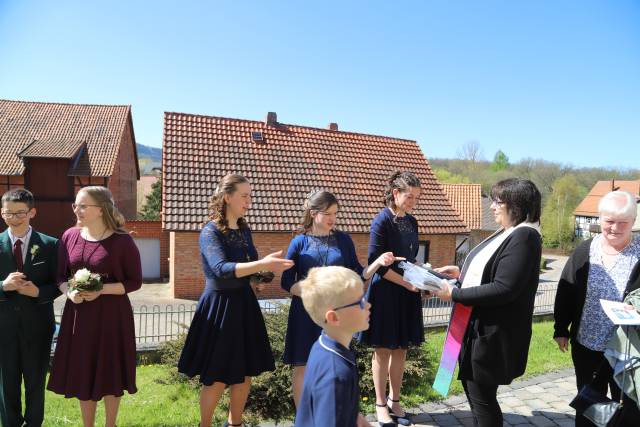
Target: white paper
point(620, 313)
point(421, 278)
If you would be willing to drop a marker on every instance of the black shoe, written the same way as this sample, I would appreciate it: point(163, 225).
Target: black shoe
point(404, 419)
point(387, 423)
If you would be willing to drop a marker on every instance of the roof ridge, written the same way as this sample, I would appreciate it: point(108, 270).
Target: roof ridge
point(65, 103)
point(293, 125)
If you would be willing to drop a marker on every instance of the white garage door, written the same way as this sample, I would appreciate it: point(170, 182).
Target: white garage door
point(149, 256)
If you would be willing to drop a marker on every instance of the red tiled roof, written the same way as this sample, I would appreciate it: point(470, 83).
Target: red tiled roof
point(466, 200)
point(589, 205)
point(54, 125)
point(293, 160)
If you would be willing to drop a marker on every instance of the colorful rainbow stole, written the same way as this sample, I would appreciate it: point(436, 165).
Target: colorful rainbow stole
point(451, 349)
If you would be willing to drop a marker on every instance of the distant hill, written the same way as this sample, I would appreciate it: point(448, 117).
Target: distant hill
point(148, 158)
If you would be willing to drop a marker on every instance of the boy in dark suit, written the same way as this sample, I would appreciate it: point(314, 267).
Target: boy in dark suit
point(28, 263)
point(334, 298)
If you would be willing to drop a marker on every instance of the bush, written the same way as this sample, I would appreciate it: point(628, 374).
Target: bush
point(270, 397)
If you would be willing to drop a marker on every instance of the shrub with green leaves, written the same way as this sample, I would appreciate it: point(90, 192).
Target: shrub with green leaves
point(270, 397)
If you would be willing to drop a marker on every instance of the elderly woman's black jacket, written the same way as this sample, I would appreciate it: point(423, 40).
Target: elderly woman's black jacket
point(572, 291)
point(496, 344)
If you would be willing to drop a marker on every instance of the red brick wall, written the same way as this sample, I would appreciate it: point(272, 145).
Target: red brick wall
point(123, 182)
point(153, 230)
point(187, 279)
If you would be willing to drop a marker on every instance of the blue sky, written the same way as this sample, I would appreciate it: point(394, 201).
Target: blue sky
point(558, 80)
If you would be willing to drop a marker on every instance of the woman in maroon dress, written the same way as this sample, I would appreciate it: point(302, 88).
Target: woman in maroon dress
point(95, 356)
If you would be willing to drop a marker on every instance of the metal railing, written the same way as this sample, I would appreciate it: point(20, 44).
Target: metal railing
point(158, 324)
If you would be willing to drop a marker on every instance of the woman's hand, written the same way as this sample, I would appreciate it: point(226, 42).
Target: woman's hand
point(449, 270)
point(275, 263)
point(75, 296)
point(90, 296)
point(563, 343)
point(387, 258)
point(445, 293)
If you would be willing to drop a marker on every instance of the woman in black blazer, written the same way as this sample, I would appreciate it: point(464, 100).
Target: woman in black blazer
point(499, 281)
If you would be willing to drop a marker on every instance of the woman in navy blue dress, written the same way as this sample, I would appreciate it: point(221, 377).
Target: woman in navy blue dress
point(227, 342)
point(396, 305)
point(317, 244)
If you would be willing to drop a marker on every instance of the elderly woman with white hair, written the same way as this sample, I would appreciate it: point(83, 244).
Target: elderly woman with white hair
point(604, 267)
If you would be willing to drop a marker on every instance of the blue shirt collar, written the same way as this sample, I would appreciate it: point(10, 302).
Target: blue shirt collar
point(333, 346)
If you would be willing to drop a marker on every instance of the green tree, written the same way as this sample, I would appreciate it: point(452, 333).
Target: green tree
point(446, 177)
point(153, 204)
point(558, 225)
point(500, 162)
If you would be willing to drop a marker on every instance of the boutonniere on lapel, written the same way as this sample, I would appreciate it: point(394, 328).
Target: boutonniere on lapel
point(34, 251)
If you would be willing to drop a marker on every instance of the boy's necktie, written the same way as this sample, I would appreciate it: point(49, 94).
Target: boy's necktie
point(17, 254)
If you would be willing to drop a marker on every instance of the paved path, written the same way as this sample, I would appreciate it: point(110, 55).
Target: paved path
point(540, 401)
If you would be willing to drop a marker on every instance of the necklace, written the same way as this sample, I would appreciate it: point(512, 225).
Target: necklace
point(616, 252)
point(323, 242)
point(85, 264)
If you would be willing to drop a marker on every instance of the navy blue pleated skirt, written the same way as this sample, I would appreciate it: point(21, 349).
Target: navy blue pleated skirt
point(396, 316)
point(227, 339)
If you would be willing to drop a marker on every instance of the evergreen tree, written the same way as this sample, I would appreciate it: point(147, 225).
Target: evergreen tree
point(153, 204)
point(500, 162)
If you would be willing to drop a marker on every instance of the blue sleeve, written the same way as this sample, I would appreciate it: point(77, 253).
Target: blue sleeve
point(331, 399)
point(378, 242)
point(212, 250)
point(350, 256)
point(290, 276)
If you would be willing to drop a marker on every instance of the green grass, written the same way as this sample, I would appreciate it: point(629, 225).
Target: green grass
point(159, 404)
point(155, 404)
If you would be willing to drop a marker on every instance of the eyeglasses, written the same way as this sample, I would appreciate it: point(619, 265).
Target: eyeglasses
point(362, 302)
point(19, 214)
point(81, 206)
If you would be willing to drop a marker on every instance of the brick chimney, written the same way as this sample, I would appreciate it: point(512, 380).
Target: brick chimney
point(272, 118)
point(332, 126)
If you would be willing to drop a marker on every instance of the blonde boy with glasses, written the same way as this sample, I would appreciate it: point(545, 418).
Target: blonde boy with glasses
point(334, 298)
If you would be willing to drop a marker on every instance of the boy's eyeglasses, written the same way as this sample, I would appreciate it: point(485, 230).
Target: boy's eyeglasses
point(81, 206)
point(362, 302)
point(19, 215)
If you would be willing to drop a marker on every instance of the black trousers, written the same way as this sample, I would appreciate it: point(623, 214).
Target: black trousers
point(26, 358)
point(484, 405)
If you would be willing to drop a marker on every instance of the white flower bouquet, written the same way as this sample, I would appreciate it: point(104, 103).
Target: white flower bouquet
point(85, 281)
